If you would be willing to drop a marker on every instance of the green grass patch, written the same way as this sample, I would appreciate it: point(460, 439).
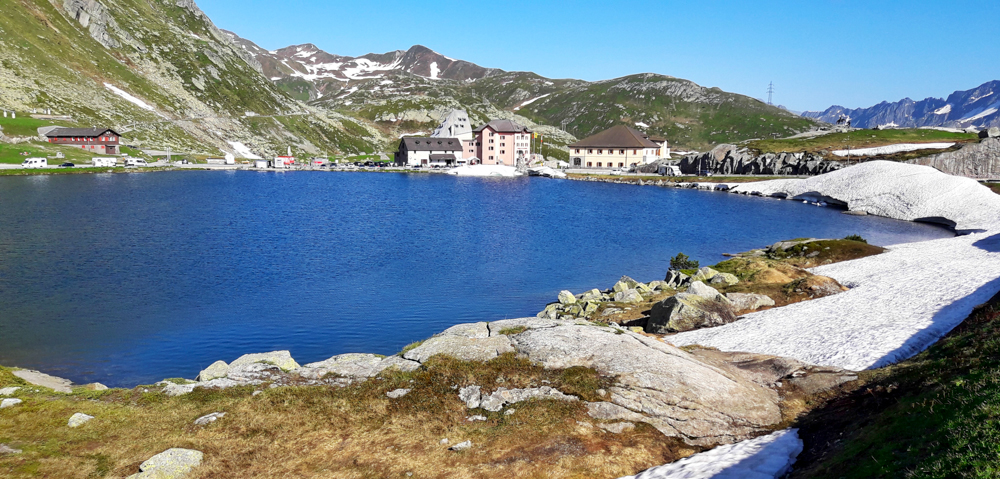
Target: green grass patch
point(936, 415)
point(993, 186)
point(27, 126)
point(514, 330)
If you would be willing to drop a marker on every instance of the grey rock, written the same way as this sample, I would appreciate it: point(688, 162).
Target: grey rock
point(975, 160)
point(658, 285)
point(209, 418)
point(10, 402)
point(592, 295)
point(398, 363)
point(529, 323)
point(475, 418)
point(174, 389)
point(170, 464)
point(503, 396)
point(9, 391)
point(397, 393)
point(461, 446)
point(468, 330)
point(749, 301)
point(618, 427)
point(95, 387)
point(990, 133)
point(471, 396)
point(612, 412)
point(628, 296)
point(686, 311)
point(78, 419)
point(218, 369)
point(673, 390)
point(643, 289)
point(698, 288)
point(704, 274)
point(725, 278)
point(509, 412)
point(246, 373)
point(5, 449)
point(347, 365)
point(566, 297)
point(771, 371)
point(37, 378)
point(625, 283)
point(461, 347)
point(676, 279)
point(281, 359)
point(443, 441)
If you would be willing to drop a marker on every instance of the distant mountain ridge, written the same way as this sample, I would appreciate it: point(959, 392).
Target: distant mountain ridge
point(976, 108)
point(409, 92)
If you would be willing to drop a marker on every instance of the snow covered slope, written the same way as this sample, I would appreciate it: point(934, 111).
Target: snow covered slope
point(901, 301)
point(765, 457)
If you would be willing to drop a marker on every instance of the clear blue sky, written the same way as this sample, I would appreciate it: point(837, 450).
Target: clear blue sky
point(817, 52)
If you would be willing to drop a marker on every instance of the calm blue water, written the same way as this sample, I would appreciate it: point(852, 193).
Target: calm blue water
point(131, 278)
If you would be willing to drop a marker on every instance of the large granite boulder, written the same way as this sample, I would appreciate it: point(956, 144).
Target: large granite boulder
point(628, 296)
point(701, 306)
point(566, 297)
point(749, 301)
point(705, 274)
point(676, 279)
point(768, 370)
point(468, 342)
point(993, 132)
point(816, 286)
point(625, 283)
point(281, 359)
point(218, 369)
point(662, 385)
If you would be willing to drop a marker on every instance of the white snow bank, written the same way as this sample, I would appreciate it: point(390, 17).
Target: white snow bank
point(434, 71)
point(890, 149)
point(765, 457)
point(546, 172)
point(485, 170)
point(641, 124)
point(242, 151)
point(127, 96)
point(901, 301)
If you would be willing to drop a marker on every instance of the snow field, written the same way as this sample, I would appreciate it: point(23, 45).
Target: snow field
point(765, 457)
point(242, 151)
point(889, 149)
point(130, 98)
point(485, 170)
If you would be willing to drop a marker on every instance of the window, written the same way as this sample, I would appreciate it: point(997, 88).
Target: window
point(590, 152)
point(635, 152)
point(589, 164)
point(491, 148)
point(621, 152)
point(502, 152)
point(578, 151)
point(491, 141)
point(600, 164)
point(491, 133)
point(620, 164)
point(503, 144)
point(491, 158)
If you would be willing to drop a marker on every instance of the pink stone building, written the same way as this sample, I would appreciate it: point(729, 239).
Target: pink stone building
point(499, 142)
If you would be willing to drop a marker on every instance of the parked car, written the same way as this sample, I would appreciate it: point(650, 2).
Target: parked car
point(67, 165)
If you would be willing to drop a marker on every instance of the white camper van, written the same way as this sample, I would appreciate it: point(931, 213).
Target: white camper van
point(35, 163)
point(135, 162)
point(104, 162)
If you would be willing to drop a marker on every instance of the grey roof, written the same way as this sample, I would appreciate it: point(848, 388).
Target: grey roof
point(619, 136)
point(74, 132)
point(503, 126)
point(431, 144)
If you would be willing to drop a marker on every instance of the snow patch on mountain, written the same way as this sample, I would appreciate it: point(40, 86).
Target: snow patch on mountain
point(122, 93)
point(434, 71)
point(763, 457)
point(641, 124)
point(242, 151)
point(943, 110)
point(528, 102)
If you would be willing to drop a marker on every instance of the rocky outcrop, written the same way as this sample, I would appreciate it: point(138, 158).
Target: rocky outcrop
point(468, 342)
point(78, 419)
point(974, 160)
point(37, 378)
point(659, 384)
point(733, 160)
point(701, 306)
point(748, 301)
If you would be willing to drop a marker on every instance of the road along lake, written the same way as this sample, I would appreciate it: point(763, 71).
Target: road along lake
point(127, 279)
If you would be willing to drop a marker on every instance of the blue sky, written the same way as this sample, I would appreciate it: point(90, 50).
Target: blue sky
point(817, 52)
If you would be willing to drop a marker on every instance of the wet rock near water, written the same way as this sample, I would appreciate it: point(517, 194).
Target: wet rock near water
point(701, 306)
point(733, 160)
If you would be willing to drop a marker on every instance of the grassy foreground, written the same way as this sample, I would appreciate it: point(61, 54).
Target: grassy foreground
point(321, 431)
point(936, 415)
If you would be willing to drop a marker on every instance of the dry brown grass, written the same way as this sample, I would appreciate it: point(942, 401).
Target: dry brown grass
point(352, 432)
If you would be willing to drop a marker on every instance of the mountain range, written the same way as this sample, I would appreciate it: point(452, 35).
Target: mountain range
point(977, 108)
point(164, 74)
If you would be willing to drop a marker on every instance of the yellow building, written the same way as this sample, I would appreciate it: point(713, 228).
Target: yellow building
point(617, 147)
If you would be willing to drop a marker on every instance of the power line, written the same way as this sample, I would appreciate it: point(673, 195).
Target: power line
point(770, 93)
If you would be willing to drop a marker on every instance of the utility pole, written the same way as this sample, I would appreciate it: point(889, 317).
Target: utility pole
point(770, 93)
point(565, 123)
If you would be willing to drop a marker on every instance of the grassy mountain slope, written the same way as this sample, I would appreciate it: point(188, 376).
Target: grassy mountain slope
point(409, 92)
point(167, 54)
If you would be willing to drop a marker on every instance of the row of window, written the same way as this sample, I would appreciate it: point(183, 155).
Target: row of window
point(611, 152)
point(600, 164)
point(90, 140)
